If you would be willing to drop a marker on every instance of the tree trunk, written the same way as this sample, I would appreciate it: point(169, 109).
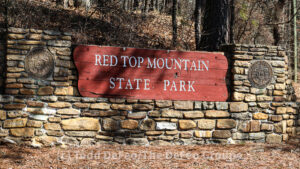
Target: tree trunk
point(166, 6)
point(82, 4)
point(135, 4)
point(63, 3)
point(198, 15)
point(4, 10)
point(178, 8)
point(162, 6)
point(151, 7)
point(146, 6)
point(215, 30)
point(157, 5)
point(231, 22)
point(277, 27)
point(125, 4)
point(174, 23)
point(130, 5)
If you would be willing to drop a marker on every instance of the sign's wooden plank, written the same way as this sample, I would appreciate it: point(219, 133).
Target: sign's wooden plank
point(151, 74)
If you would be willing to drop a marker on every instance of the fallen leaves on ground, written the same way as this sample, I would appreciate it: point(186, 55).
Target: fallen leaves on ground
point(127, 156)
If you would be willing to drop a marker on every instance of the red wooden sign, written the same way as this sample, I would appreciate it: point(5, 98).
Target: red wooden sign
point(150, 74)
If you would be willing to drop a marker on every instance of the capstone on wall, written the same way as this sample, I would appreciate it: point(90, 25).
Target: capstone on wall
point(44, 109)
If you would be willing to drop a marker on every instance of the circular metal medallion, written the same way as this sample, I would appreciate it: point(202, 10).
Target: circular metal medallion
point(39, 63)
point(260, 74)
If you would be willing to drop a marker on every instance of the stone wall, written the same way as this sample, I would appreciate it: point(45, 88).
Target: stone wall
point(49, 111)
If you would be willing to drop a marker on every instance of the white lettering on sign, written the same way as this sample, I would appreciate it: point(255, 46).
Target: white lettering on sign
point(98, 60)
point(113, 60)
point(180, 64)
point(122, 83)
point(124, 60)
point(140, 60)
point(151, 63)
point(181, 86)
point(132, 61)
point(105, 60)
point(138, 83)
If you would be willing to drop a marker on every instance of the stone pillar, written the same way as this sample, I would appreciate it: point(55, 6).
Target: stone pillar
point(266, 91)
point(38, 62)
point(260, 79)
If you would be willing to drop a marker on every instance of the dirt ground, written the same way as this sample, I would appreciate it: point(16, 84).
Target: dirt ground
point(144, 157)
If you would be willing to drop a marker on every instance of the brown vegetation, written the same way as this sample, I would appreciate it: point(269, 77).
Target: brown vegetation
point(107, 25)
point(117, 23)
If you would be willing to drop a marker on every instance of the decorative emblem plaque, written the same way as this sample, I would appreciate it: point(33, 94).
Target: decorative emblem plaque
point(260, 74)
point(39, 63)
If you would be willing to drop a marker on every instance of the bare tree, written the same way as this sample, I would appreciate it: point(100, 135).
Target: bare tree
point(135, 4)
point(157, 2)
point(231, 21)
point(125, 5)
point(162, 6)
point(151, 5)
point(198, 15)
point(145, 6)
point(215, 25)
point(174, 23)
point(278, 17)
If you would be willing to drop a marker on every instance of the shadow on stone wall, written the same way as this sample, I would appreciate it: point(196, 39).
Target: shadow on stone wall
point(2, 58)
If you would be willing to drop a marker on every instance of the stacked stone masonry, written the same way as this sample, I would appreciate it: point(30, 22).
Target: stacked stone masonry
point(50, 111)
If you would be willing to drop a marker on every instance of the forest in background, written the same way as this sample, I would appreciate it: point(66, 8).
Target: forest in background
point(158, 24)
